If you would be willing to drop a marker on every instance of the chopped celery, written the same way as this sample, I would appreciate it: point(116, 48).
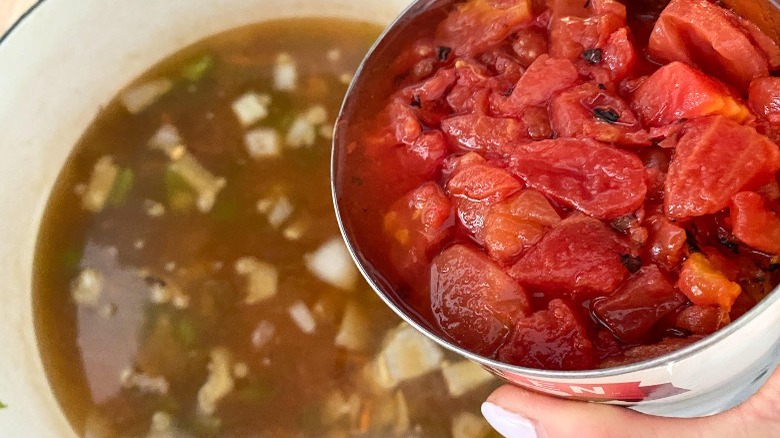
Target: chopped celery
point(122, 186)
point(226, 210)
point(197, 68)
point(187, 332)
point(71, 258)
point(180, 197)
point(259, 391)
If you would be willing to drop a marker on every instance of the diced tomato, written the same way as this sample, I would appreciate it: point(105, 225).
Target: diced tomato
point(424, 157)
point(741, 306)
point(543, 79)
point(702, 320)
point(482, 182)
point(473, 300)
point(606, 345)
point(517, 223)
point(434, 88)
point(632, 310)
point(504, 64)
point(668, 242)
point(553, 339)
point(708, 169)
point(422, 51)
point(587, 111)
point(530, 43)
point(765, 99)
point(620, 56)
point(404, 120)
point(677, 91)
point(471, 91)
point(755, 223)
point(477, 25)
point(704, 285)
point(700, 33)
point(573, 30)
point(537, 121)
point(761, 40)
point(417, 223)
point(478, 132)
point(455, 163)
point(601, 181)
point(475, 188)
point(580, 258)
point(648, 352)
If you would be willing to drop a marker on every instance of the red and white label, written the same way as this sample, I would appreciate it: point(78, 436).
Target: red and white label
point(627, 392)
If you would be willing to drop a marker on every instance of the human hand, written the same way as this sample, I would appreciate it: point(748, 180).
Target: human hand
point(519, 413)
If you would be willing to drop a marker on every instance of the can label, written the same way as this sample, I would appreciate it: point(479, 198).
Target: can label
point(602, 392)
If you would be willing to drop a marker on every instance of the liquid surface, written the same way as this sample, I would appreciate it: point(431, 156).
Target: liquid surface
point(187, 284)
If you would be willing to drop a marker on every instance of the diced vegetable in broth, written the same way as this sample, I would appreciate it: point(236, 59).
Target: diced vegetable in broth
point(139, 97)
point(464, 376)
point(196, 285)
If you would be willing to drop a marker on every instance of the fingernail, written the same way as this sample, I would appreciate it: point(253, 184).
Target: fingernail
point(508, 424)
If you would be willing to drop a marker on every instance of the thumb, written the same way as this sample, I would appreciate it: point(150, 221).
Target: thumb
point(519, 413)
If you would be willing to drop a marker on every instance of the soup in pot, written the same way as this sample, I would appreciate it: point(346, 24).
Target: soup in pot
point(190, 279)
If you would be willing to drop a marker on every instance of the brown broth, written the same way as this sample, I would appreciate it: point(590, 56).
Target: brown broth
point(85, 349)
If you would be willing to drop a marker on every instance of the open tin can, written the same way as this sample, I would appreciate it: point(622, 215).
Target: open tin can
point(707, 377)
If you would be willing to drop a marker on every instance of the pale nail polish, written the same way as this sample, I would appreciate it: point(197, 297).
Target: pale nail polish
point(508, 424)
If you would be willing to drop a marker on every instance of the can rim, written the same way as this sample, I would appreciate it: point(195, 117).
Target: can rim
point(366, 68)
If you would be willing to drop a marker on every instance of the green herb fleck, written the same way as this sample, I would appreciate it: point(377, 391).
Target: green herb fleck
point(3, 405)
point(178, 192)
point(226, 210)
point(122, 186)
point(197, 68)
point(71, 258)
point(187, 332)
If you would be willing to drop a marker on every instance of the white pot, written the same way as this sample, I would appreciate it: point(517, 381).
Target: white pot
point(58, 66)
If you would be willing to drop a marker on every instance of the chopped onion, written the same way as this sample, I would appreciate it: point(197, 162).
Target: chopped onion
point(464, 376)
point(219, 383)
point(296, 230)
point(468, 425)
point(262, 334)
point(338, 407)
point(240, 370)
point(302, 133)
point(326, 132)
point(355, 330)
point(262, 143)
point(140, 97)
point(166, 139)
point(333, 55)
point(402, 423)
point(317, 115)
point(333, 264)
point(153, 208)
point(302, 317)
point(280, 212)
point(346, 78)
point(406, 355)
point(206, 185)
point(262, 279)
point(100, 184)
point(285, 73)
point(144, 383)
point(264, 205)
point(87, 288)
point(251, 108)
